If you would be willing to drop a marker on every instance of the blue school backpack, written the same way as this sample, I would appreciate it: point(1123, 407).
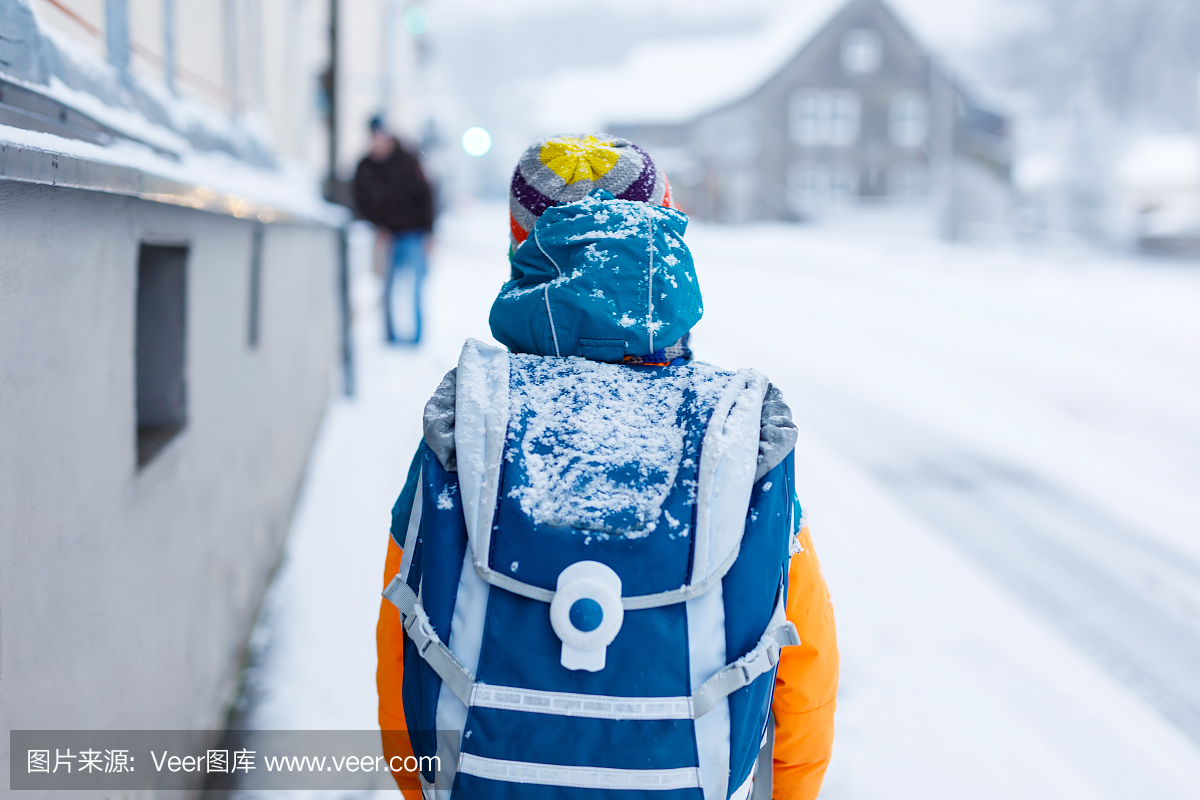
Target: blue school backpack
point(594, 601)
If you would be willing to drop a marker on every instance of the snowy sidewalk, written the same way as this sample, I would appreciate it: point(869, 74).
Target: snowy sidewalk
point(951, 686)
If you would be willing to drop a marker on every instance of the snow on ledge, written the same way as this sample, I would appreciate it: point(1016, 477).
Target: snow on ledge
point(213, 181)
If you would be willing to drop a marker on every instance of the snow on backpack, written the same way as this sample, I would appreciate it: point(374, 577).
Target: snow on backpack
point(594, 601)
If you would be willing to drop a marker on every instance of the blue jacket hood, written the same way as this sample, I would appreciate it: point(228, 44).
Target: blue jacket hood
point(600, 278)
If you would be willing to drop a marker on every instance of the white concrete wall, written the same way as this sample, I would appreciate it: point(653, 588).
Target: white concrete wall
point(125, 594)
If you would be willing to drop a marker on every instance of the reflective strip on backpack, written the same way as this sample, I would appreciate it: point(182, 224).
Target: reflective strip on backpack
point(593, 706)
point(579, 777)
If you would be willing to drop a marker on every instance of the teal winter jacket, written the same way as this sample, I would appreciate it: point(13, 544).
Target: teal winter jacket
point(600, 278)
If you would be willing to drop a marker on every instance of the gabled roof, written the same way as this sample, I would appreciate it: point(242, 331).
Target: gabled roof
point(673, 80)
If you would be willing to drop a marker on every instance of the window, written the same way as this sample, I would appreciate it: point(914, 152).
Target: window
point(159, 348)
point(906, 180)
point(862, 50)
point(843, 181)
point(908, 119)
point(843, 118)
point(824, 118)
point(807, 118)
point(811, 185)
point(805, 186)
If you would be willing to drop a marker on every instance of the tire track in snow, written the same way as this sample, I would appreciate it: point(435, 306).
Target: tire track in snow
point(1129, 602)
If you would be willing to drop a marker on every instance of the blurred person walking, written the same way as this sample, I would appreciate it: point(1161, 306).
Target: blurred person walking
point(391, 192)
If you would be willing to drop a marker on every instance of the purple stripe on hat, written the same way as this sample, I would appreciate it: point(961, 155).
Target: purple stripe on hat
point(528, 196)
point(643, 186)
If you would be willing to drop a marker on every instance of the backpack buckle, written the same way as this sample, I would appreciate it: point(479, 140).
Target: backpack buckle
point(420, 630)
point(758, 662)
point(586, 614)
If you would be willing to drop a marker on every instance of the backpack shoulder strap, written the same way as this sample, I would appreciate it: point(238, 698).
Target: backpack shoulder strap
point(760, 660)
point(429, 645)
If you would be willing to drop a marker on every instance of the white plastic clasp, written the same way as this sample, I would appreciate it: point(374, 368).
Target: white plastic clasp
point(756, 662)
point(587, 613)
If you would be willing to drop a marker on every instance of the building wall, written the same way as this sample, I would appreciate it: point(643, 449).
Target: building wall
point(88, 33)
point(917, 136)
point(261, 62)
point(257, 59)
point(127, 593)
point(750, 159)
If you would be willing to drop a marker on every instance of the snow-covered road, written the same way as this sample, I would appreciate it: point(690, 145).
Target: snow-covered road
point(1032, 411)
point(999, 457)
point(1032, 417)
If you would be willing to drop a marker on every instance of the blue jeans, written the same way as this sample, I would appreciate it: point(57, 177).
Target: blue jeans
point(408, 253)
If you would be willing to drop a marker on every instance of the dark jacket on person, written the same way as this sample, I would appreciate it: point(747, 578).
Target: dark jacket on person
point(393, 193)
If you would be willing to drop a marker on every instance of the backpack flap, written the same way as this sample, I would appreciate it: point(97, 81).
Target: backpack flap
point(718, 496)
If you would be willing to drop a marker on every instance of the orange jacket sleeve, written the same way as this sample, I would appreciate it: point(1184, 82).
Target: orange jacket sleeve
point(389, 675)
point(805, 683)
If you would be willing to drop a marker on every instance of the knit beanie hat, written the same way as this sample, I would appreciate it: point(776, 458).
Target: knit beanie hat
point(566, 168)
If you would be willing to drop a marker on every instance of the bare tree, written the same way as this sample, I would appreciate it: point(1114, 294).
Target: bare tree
point(1138, 58)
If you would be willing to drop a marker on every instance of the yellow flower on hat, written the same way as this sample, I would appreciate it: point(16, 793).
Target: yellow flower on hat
point(574, 159)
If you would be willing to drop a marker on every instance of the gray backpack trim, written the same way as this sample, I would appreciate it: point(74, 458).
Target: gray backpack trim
point(777, 432)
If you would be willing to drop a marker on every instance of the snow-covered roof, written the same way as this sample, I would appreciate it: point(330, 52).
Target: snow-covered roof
point(672, 80)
